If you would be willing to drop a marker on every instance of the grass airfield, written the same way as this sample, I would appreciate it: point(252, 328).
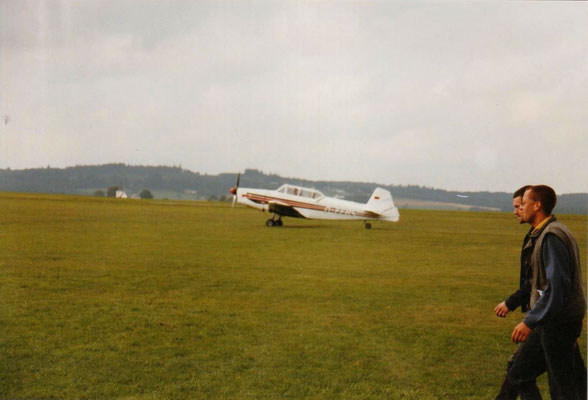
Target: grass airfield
point(132, 299)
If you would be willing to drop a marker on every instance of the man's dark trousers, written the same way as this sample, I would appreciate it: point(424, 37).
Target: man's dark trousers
point(550, 348)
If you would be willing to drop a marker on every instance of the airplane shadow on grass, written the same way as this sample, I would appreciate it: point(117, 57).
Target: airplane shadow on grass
point(373, 228)
point(301, 227)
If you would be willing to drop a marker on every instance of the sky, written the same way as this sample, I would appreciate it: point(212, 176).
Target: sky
point(455, 95)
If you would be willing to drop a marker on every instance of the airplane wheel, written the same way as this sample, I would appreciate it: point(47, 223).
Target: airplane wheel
point(279, 223)
point(368, 225)
point(269, 222)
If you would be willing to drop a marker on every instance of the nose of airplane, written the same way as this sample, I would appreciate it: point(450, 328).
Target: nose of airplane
point(233, 190)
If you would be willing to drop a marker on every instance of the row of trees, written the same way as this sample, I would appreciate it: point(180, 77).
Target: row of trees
point(85, 179)
point(111, 192)
point(220, 198)
point(146, 194)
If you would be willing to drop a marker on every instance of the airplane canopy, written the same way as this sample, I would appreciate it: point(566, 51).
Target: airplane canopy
point(300, 191)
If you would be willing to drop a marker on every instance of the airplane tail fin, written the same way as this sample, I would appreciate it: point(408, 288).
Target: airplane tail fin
point(381, 203)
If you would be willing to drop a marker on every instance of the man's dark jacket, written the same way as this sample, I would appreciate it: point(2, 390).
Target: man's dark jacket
point(522, 296)
point(557, 294)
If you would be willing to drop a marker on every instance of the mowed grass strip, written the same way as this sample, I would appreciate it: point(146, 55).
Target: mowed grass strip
point(132, 299)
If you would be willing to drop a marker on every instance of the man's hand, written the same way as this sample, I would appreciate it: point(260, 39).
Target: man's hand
point(501, 310)
point(521, 333)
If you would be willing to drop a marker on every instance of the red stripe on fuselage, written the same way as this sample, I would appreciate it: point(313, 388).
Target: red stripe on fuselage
point(267, 199)
point(308, 206)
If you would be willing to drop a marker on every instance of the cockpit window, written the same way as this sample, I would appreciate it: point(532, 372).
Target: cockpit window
point(306, 193)
point(298, 191)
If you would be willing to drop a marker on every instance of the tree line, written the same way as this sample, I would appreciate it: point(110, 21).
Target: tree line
point(102, 179)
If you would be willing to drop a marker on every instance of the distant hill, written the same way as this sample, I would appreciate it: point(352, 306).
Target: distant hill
point(179, 183)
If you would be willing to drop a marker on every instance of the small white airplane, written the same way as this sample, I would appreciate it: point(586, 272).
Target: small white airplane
point(300, 202)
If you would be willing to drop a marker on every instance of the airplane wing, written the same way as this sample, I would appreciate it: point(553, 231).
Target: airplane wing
point(283, 210)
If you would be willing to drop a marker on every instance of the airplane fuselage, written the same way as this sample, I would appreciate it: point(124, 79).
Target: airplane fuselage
point(300, 202)
point(321, 208)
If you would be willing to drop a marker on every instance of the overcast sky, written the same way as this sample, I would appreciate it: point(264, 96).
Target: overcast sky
point(453, 95)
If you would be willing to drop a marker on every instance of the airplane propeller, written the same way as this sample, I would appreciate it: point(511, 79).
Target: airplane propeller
point(234, 190)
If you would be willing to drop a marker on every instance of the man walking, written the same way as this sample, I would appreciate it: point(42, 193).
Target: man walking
point(520, 298)
point(550, 329)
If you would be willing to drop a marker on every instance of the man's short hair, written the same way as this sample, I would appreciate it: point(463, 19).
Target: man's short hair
point(545, 195)
point(520, 192)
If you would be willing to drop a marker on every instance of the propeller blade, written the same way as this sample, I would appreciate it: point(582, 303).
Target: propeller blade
point(234, 190)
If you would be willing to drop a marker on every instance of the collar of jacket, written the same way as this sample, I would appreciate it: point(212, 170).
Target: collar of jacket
point(534, 234)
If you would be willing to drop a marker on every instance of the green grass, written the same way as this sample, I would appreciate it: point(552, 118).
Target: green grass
point(132, 299)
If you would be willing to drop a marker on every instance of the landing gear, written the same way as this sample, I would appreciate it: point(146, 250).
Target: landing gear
point(368, 225)
point(274, 222)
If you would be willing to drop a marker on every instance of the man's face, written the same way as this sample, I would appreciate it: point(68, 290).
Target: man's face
point(528, 208)
point(516, 205)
